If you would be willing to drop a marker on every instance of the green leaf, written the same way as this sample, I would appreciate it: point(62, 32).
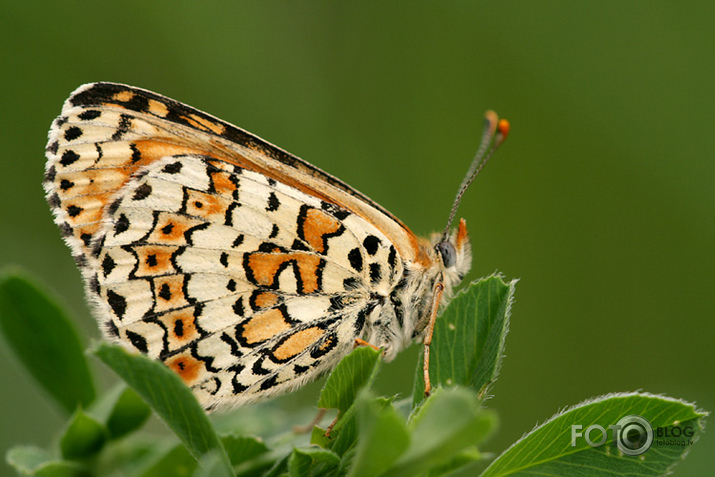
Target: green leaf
point(212, 465)
point(176, 462)
point(62, 468)
point(383, 437)
point(241, 449)
point(318, 437)
point(353, 372)
point(44, 339)
point(450, 421)
point(459, 462)
point(554, 448)
point(279, 468)
point(28, 460)
point(468, 340)
point(168, 396)
point(344, 433)
point(25, 459)
point(121, 410)
point(310, 461)
point(129, 413)
point(83, 437)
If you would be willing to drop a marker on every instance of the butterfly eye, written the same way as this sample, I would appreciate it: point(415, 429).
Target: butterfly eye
point(448, 253)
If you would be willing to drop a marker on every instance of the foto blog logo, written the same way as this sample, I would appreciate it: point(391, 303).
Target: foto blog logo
point(632, 435)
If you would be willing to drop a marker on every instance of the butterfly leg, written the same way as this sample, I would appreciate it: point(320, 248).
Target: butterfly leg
point(309, 427)
point(436, 299)
point(362, 342)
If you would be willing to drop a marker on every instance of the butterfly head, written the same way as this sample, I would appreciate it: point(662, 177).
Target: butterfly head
point(452, 246)
point(455, 252)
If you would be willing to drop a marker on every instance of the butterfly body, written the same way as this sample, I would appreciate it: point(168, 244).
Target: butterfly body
point(243, 268)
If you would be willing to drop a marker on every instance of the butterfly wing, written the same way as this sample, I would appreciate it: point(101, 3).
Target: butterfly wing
point(198, 249)
point(110, 126)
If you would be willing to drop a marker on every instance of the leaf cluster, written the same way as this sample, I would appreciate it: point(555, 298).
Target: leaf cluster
point(370, 435)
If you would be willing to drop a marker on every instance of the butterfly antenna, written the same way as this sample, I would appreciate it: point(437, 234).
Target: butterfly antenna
point(495, 133)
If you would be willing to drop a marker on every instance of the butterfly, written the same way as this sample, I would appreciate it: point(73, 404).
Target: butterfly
point(243, 268)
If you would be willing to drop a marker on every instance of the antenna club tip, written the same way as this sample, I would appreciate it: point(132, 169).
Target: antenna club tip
point(503, 127)
point(491, 116)
point(502, 132)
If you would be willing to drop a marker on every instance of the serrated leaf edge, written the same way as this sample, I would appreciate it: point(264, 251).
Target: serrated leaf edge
point(702, 414)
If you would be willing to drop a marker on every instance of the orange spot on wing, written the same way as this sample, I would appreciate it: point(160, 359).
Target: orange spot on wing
point(316, 225)
point(204, 124)
point(223, 184)
point(264, 326)
point(152, 150)
point(171, 228)
point(154, 260)
point(200, 204)
point(297, 343)
point(266, 299)
point(123, 96)
point(87, 230)
point(181, 325)
point(157, 108)
point(169, 292)
point(186, 366)
point(329, 342)
point(83, 211)
point(265, 267)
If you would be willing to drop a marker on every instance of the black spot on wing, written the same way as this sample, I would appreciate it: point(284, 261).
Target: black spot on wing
point(375, 273)
point(179, 328)
point(336, 211)
point(112, 329)
point(355, 258)
point(136, 154)
point(108, 265)
point(165, 292)
point(74, 210)
point(274, 231)
point(371, 244)
point(89, 114)
point(299, 245)
point(173, 168)
point(269, 382)
point(273, 203)
point(117, 302)
point(238, 307)
point(50, 174)
point(69, 157)
point(54, 201)
point(142, 192)
point(350, 284)
point(138, 341)
point(125, 123)
point(73, 133)
point(121, 225)
point(52, 147)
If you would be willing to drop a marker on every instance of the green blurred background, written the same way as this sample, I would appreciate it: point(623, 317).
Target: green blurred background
point(601, 202)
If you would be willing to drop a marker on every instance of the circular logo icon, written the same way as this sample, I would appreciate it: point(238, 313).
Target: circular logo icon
point(634, 435)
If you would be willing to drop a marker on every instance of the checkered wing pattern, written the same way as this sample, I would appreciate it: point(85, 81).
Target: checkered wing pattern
point(211, 250)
